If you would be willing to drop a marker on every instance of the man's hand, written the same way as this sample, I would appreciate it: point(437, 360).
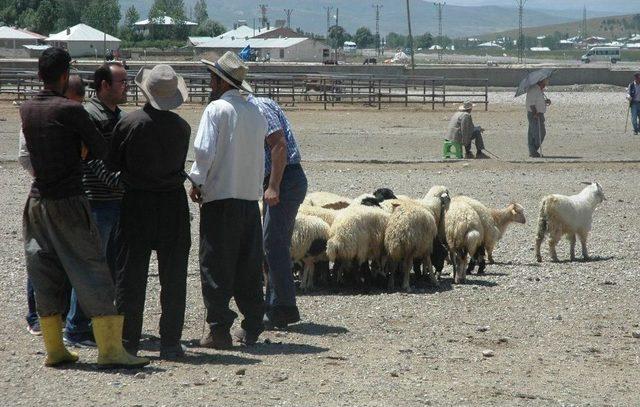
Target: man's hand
point(272, 196)
point(84, 151)
point(547, 102)
point(195, 194)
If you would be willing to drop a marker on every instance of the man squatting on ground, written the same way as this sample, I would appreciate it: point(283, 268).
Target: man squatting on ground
point(60, 236)
point(462, 130)
point(75, 91)
point(285, 185)
point(633, 96)
point(110, 84)
point(536, 108)
point(149, 149)
point(227, 173)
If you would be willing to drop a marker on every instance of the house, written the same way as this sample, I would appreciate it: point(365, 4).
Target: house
point(145, 27)
point(82, 40)
point(278, 49)
point(14, 40)
point(246, 32)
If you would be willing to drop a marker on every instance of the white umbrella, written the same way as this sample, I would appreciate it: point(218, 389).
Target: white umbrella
point(531, 79)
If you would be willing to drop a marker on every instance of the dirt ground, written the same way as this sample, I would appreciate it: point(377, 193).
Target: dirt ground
point(560, 334)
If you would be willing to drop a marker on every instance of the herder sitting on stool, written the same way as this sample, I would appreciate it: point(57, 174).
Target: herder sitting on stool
point(462, 130)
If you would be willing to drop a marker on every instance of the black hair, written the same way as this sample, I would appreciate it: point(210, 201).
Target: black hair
point(103, 73)
point(52, 64)
point(76, 85)
point(370, 201)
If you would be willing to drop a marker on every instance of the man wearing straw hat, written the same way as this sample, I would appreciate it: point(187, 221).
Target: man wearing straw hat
point(227, 175)
point(149, 147)
point(462, 130)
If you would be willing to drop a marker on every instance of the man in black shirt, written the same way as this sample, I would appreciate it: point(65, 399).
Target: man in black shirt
point(60, 238)
point(149, 148)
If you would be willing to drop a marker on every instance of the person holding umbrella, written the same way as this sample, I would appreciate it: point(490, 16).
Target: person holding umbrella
point(536, 102)
point(633, 96)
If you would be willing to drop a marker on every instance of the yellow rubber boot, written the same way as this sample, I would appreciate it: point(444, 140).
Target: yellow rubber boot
point(107, 330)
point(57, 353)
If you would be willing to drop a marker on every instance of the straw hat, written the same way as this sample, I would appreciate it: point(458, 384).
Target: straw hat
point(231, 69)
point(163, 88)
point(466, 106)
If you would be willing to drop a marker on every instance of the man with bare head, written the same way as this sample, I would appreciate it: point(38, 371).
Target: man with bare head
point(75, 89)
point(110, 84)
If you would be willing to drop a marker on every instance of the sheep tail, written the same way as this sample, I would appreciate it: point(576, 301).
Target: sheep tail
point(473, 240)
point(332, 251)
point(542, 221)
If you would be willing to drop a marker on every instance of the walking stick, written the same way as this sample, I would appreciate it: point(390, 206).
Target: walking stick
point(626, 121)
point(539, 137)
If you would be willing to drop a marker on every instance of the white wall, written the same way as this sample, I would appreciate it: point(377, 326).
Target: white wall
point(86, 48)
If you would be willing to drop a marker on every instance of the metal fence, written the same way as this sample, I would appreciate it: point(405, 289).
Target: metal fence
point(292, 89)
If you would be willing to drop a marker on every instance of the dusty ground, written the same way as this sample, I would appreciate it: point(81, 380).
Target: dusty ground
point(561, 334)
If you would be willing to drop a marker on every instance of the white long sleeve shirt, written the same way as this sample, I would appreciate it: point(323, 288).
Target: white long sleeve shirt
point(535, 97)
point(229, 150)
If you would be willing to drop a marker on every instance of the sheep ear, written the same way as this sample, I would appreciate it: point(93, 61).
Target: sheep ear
point(586, 183)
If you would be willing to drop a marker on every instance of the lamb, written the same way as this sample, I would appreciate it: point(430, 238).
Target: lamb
point(308, 245)
point(495, 223)
point(327, 200)
point(327, 215)
point(357, 236)
point(410, 233)
point(465, 234)
point(568, 215)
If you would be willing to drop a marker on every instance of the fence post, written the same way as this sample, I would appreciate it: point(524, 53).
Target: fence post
point(324, 91)
point(424, 92)
point(433, 94)
point(444, 91)
point(379, 94)
point(293, 91)
point(486, 95)
point(406, 93)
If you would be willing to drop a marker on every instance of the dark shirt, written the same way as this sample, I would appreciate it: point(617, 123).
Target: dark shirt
point(105, 120)
point(54, 128)
point(150, 147)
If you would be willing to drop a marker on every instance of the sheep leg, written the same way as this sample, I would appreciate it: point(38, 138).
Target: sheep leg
point(307, 276)
point(538, 244)
point(406, 271)
point(572, 247)
point(459, 269)
point(321, 274)
point(391, 281)
point(553, 241)
point(416, 268)
point(428, 268)
point(480, 260)
point(583, 243)
point(490, 256)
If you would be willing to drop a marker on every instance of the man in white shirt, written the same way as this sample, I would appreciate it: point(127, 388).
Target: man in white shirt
point(227, 175)
point(633, 96)
point(536, 108)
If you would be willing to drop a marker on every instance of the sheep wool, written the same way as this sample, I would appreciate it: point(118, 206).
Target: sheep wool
point(308, 245)
point(326, 200)
point(464, 233)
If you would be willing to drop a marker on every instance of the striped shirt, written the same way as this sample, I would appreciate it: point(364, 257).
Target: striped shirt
point(95, 175)
point(276, 120)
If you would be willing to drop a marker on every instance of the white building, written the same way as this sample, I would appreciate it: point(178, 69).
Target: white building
point(82, 40)
point(144, 27)
point(14, 40)
point(279, 49)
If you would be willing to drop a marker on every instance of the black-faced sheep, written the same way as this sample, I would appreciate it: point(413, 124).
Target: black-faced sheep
point(569, 216)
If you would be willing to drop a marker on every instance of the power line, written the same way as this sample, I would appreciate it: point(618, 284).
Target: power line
point(263, 12)
point(337, 13)
point(377, 7)
point(328, 8)
point(288, 12)
point(520, 4)
point(584, 23)
point(439, 9)
point(413, 62)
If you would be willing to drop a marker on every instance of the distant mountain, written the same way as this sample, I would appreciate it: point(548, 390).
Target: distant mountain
point(310, 15)
point(594, 7)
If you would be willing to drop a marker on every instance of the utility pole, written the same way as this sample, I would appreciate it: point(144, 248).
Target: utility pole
point(263, 12)
point(377, 7)
point(439, 8)
point(329, 9)
point(520, 4)
point(337, 13)
point(584, 23)
point(413, 62)
point(288, 12)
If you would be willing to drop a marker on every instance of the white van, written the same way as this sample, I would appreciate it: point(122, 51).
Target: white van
point(349, 47)
point(610, 54)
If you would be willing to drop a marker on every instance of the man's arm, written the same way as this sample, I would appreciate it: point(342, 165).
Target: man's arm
point(204, 147)
point(89, 134)
point(278, 147)
point(23, 155)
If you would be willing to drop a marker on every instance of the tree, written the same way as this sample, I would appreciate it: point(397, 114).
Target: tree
point(337, 36)
point(200, 12)
point(173, 9)
point(69, 13)
point(102, 15)
point(364, 39)
point(395, 40)
point(424, 41)
point(210, 28)
point(45, 17)
point(128, 31)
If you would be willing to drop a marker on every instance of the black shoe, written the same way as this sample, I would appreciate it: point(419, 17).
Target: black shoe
point(246, 338)
point(172, 352)
point(281, 316)
point(218, 338)
point(481, 155)
point(535, 155)
point(635, 133)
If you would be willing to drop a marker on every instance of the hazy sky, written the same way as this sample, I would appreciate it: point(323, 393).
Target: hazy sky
point(615, 6)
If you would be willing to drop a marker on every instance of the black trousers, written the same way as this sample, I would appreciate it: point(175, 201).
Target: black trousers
point(152, 221)
point(231, 263)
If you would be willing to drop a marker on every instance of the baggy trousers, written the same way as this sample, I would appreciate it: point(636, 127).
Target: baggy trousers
point(278, 229)
point(477, 137)
point(537, 132)
point(61, 241)
point(152, 221)
point(231, 263)
point(635, 116)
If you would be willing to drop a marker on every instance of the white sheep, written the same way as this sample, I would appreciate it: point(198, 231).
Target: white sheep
point(308, 245)
point(464, 232)
point(327, 215)
point(411, 230)
point(357, 236)
point(494, 223)
point(569, 216)
point(327, 200)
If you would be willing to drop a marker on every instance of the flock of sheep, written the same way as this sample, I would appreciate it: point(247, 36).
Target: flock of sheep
point(378, 237)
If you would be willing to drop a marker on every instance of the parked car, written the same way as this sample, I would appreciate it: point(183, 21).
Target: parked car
point(611, 54)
